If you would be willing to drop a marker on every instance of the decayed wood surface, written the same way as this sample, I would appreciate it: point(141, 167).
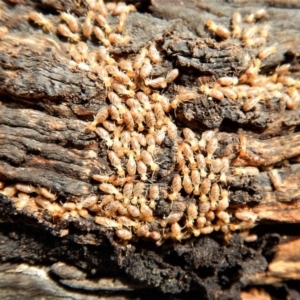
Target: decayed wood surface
point(45, 107)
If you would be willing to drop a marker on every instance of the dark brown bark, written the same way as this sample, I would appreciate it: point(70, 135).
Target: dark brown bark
point(45, 107)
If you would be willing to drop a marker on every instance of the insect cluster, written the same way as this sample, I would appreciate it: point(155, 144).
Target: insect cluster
point(252, 88)
point(138, 118)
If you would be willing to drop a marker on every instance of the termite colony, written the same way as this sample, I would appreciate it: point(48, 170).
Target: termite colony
point(252, 88)
point(135, 123)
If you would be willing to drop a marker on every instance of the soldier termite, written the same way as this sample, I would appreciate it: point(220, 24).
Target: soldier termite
point(70, 20)
point(64, 31)
point(40, 20)
point(218, 30)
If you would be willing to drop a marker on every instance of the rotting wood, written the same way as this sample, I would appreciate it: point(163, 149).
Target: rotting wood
point(44, 104)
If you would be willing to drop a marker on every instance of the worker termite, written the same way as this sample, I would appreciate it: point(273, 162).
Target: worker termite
point(122, 21)
point(118, 39)
point(211, 147)
point(227, 81)
point(142, 170)
point(190, 137)
point(131, 164)
point(153, 53)
point(153, 194)
point(107, 222)
point(102, 21)
point(104, 55)
point(100, 35)
point(188, 153)
point(251, 103)
point(224, 169)
point(126, 65)
point(2, 185)
point(174, 217)
point(109, 126)
point(246, 216)
point(275, 179)
point(253, 70)
point(40, 20)
point(246, 171)
point(215, 167)
point(146, 69)
point(87, 26)
point(117, 102)
point(104, 178)
point(176, 186)
point(139, 59)
point(218, 30)
point(160, 136)
point(201, 164)
point(192, 213)
point(156, 83)
point(229, 93)
point(241, 226)
point(3, 31)
point(136, 147)
point(128, 120)
point(224, 202)
point(144, 100)
point(143, 231)
point(127, 193)
point(294, 98)
point(125, 140)
point(196, 180)
point(186, 181)
point(9, 191)
point(236, 21)
point(163, 100)
point(172, 75)
point(110, 189)
point(150, 140)
point(204, 189)
point(70, 20)
point(64, 31)
point(211, 92)
point(223, 216)
point(148, 160)
point(249, 32)
point(47, 194)
point(103, 134)
point(214, 195)
point(121, 89)
point(146, 213)
point(264, 53)
point(138, 118)
point(133, 211)
point(116, 162)
point(183, 96)
point(121, 7)
point(176, 232)
point(150, 121)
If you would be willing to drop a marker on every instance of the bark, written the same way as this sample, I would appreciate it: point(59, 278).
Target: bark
point(45, 107)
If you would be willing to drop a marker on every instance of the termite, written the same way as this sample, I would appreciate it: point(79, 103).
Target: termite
point(70, 20)
point(218, 30)
point(40, 20)
point(66, 32)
